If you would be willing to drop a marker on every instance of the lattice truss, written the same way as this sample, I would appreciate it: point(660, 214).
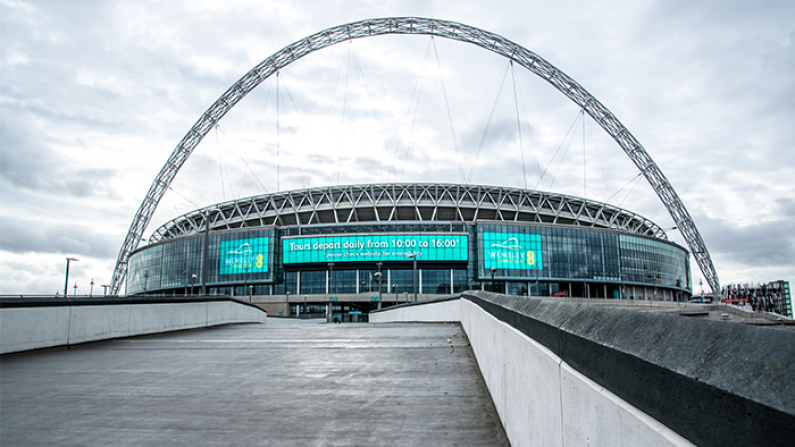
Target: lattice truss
point(407, 202)
point(413, 25)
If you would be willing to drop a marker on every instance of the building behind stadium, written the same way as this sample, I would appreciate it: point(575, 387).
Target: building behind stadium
point(774, 296)
point(300, 250)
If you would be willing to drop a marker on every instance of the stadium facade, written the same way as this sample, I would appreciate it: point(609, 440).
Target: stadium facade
point(330, 244)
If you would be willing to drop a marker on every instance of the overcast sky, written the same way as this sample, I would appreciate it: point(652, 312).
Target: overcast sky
point(94, 96)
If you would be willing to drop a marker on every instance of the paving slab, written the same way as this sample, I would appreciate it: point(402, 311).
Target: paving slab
point(283, 383)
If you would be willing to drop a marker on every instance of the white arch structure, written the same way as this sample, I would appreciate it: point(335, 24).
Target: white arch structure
point(420, 26)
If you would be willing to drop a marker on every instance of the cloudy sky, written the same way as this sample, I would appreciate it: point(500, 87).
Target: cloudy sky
point(95, 95)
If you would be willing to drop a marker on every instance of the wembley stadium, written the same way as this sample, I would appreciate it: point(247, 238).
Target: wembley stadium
point(308, 247)
point(351, 249)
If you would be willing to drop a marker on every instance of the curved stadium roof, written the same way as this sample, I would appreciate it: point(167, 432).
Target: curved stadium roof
point(412, 202)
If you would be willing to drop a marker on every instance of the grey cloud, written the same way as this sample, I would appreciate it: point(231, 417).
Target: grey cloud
point(705, 86)
point(28, 162)
point(500, 132)
point(765, 244)
point(20, 235)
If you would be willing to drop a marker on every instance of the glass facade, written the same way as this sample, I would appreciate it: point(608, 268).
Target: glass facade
point(233, 259)
point(579, 254)
point(530, 259)
point(374, 247)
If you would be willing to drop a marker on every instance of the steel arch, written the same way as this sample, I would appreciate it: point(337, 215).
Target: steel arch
point(421, 26)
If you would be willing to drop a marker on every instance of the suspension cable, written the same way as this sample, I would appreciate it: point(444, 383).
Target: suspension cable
point(573, 131)
point(529, 128)
point(416, 92)
point(183, 197)
point(551, 160)
point(627, 184)
point(224, 167)
point(278, 159)
point(220, 163)
point(344, 103)
point(347, 73)
point(252, 172)
point(449, 112)
point(248, 167)
point(584, 175)
point(320, 162)
point(518, 124)
point(264, 105)
point(598, 157)
point(290, 96)
point(637, 180)
point(198, 171)
point(334, 90)
point(488, 124)
point(343, 65)
point(298, 112)
point(363, 80)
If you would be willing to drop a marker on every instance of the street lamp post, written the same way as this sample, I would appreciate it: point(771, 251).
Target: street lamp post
point(91, 293)
point(413, 256)
point(493, 271)
point(394, 290)
point(74, 294)
point(206, 250)
point(66, 281)
point(245, 283)
point(330, 277)
point(378, 276)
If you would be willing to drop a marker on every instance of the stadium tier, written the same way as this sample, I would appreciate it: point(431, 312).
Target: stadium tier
point(338, 241)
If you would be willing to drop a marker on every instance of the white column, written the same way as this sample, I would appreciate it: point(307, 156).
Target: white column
point(451, 281)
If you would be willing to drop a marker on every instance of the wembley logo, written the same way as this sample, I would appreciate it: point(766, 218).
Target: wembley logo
point(509, 244)
point(242, 250)
point(511, 252)
point(240, 258)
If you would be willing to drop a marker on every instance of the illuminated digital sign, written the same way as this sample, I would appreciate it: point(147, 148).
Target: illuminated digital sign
point(375, 247)
point(512, 251)
point(248, 255)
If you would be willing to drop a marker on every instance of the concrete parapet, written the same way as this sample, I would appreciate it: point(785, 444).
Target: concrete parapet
point(34, 324)
point(441, 310)
point(612, 376)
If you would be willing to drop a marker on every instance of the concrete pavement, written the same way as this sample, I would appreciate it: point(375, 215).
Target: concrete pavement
point(283, 383)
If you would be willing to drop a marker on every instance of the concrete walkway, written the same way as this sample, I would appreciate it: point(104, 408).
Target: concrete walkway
point(278, 384)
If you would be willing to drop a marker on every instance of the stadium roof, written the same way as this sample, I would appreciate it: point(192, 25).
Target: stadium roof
point(412, 202)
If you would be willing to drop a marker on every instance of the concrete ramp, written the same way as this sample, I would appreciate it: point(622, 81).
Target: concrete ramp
point(286, 383)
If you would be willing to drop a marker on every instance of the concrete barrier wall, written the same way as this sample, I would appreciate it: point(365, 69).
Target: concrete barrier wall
point(34, 327)
point(26, 328)
point(542, 401)
point(439, 311)
point(578, 374)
